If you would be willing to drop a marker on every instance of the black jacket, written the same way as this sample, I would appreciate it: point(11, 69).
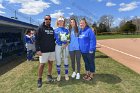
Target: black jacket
point(45, 41)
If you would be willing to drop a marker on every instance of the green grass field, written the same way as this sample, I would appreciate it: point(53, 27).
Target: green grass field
point(111, 77)
point(99, 37)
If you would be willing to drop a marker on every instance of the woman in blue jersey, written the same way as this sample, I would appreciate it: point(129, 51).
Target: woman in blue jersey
point(62, 39)
point(74, 48)
point(87, 43)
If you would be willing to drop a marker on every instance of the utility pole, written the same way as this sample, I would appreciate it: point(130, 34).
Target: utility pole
point(15, 16)
point(30, 19)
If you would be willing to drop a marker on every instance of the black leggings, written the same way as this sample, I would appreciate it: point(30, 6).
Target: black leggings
point(76, 54)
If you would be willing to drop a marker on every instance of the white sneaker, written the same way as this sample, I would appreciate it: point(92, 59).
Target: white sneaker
point(58, 77)
point(73, 75)
point(78, 76)
point(66, 77)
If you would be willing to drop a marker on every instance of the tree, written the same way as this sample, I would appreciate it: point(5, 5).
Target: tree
point(136, 21)
point(128, 27)
point(102, 28)
point(78, 18)
point(132, 27)
point(107, 20)
point(94, 27)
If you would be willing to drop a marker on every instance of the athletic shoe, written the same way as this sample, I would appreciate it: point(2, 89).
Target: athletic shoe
point(66, 77)
point(73, 75)
point(28, 60)
point(39, 83)
point(78, 76)
point(58, 77)
point(49, 78)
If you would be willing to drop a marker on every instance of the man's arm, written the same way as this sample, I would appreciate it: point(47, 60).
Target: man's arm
point(37, 39)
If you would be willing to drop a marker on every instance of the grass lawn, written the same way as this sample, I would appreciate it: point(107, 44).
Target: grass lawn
point(111, 77)
point(117, 36)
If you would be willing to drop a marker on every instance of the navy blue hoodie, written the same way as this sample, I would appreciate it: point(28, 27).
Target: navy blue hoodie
point(45, 41)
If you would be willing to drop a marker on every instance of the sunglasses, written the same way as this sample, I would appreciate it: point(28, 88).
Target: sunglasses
point(47, 19)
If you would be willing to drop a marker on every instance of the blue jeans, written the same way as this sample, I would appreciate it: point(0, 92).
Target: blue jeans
point(89, 59)
point(30, 55)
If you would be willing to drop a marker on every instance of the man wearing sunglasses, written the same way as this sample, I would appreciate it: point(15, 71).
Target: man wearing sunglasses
point(45, 47)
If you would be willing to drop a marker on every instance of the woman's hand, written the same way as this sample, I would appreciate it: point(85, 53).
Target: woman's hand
point(65, 45)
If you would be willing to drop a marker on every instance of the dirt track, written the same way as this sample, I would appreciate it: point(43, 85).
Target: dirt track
point(125, 51)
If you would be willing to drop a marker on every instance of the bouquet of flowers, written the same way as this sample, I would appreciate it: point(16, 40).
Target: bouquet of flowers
point(64, 37)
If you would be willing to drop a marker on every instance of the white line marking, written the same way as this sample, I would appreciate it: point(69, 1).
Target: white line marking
point(119, 51)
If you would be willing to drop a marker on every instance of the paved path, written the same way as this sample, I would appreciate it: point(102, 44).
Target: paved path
point(125, 51)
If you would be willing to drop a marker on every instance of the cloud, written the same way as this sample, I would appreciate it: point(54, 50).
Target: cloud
point(1, 6)
point(57, 14)
point(109, 4)
point(32, 7)
point(99, 0)
point(132, 17)
point(55, 1)
point(117, 21)
point(1, 12)
point(40, 20)
point(1, 1)
point(138, 17)
point(71, 13)
point(20, 1)
point(68, 17)
point(128, 7)
point(68, 8)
